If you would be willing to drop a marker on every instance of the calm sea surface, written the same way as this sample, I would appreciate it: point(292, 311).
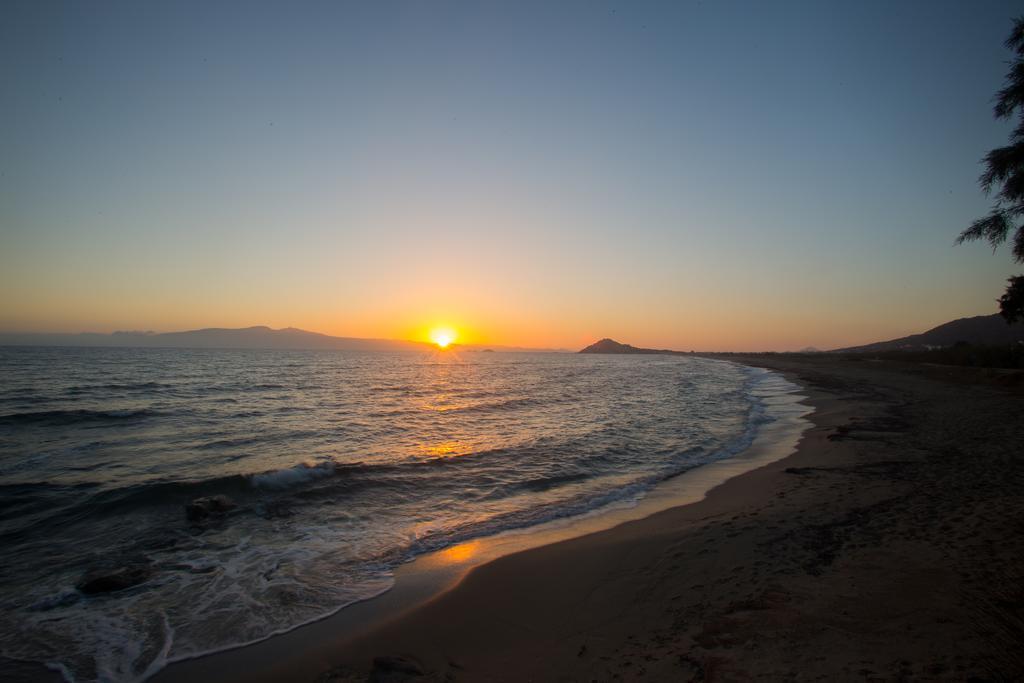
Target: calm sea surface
point(339, 466)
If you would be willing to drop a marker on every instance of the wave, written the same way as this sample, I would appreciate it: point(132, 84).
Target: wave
point(70, 417)
point(503, 405)
point(13, 496)
point(507, 404)
point(293, 476)
point(23, 398)
point(592, 502)
point(335, 478)
point(256, 439)
point(328, 478)
point(137, 386)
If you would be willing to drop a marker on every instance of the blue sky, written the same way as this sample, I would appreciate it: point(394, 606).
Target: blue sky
point(692, 174)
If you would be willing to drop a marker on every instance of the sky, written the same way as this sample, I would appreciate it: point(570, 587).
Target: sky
point(689, 175)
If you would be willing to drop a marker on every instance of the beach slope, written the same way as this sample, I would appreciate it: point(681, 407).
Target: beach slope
point(890, 546)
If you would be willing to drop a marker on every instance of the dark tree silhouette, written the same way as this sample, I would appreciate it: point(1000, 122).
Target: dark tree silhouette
point(1011, 304)
point(1004, 168)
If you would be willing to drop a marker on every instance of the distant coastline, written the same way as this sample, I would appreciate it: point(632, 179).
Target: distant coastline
point(986, 330)
point(981, 330)
point(257, 337)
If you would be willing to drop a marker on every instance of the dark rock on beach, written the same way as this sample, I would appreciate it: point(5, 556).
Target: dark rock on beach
point(395, 668)
point(202, 509)
point(110, 580)
point(386, 669)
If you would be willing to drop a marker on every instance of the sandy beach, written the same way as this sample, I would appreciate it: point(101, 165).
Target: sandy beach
point(889, 546)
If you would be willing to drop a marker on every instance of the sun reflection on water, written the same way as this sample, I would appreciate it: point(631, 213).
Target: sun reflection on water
point(460, 553)
point(445, 449)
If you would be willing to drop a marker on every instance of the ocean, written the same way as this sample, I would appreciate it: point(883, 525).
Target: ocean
point(159, 504)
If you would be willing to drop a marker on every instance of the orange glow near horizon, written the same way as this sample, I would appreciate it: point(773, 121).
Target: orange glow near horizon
point(443, 336)
point(498, 320)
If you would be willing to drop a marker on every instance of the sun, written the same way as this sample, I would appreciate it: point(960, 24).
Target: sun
point(442, 336)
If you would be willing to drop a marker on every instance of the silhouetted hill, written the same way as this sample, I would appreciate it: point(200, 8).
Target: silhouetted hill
point(981, 330)
point(612, 346)
point(260, 337)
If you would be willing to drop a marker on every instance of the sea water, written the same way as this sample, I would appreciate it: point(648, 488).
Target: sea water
point(336, 466)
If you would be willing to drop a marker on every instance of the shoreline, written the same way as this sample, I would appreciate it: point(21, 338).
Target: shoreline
point(888, 546)
point(432, 575)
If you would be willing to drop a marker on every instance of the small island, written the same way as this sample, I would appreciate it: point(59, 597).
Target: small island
point(611, 346)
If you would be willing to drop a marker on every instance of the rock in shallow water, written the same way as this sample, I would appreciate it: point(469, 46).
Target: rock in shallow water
point(202, 509)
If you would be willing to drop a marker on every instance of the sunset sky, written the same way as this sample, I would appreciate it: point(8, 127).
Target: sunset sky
point(709, 175)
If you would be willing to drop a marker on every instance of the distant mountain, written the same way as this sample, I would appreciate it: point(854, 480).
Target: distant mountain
point(612, 346)
point(984, 330)
point(260, 337)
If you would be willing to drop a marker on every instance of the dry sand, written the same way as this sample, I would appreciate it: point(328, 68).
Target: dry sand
point(890, 546)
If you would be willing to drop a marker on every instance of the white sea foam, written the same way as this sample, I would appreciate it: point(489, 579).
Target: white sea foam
point(293, 476)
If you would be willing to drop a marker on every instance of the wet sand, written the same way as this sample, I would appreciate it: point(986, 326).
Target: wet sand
point(889, 546)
